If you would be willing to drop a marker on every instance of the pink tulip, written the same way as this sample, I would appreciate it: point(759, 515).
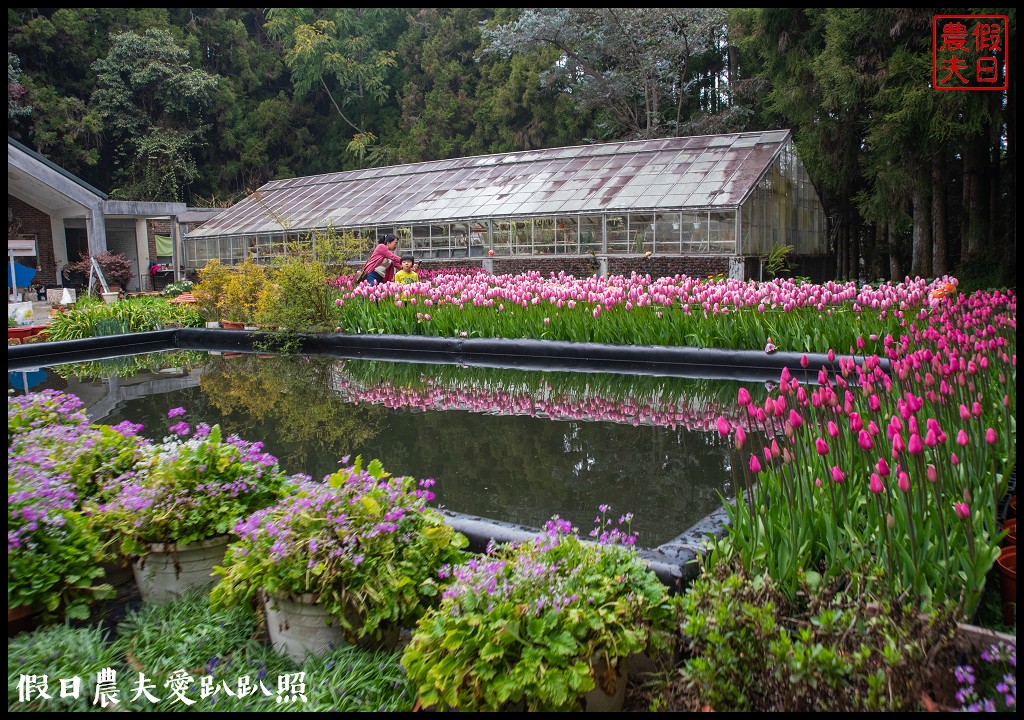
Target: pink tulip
point(837, 475)
point(744, 397)
point(915, 446)
point(932, 473)
point(903, 482)
point(962, 510)
point(821, 446)
point(755, 464)
point(990, 436)
point(723, 426)
point(876, 484)
point(865, 441)
point(953, 459)
point(855, 422)
point(962, 439)
point(795, 419)
point(833, 430)
point(883, 467)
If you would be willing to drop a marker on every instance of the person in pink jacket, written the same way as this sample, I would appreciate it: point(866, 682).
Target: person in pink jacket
point(383, 261)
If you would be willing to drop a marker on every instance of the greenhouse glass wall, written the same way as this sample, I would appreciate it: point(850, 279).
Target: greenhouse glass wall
point(741, 194)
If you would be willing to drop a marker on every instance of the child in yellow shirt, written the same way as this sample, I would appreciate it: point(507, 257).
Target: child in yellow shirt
point(407, 274)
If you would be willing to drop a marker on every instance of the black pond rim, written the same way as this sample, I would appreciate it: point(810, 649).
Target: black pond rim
point(673, 562)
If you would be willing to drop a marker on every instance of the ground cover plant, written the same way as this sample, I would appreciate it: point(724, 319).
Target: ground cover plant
point(192, 658)
point(92, 318)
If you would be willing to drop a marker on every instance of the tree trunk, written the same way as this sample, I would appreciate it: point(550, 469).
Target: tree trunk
point(921, 250)
point(976, 197)
point(940, 243)
point(895, 261)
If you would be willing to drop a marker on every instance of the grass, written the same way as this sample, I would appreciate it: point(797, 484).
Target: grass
point(212, 658)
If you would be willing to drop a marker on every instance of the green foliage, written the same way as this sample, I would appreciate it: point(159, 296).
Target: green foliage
point(153, 104)
point(188, 490)
point(751, 647)
point(523, 624)
point(236, 294)
point(217, 649)
point(364, 543)
point(131, 365)
point(16, 106)
point(299, 296)
point(92, 319)
point(57, 568)
point(295, 395)
point(209, 290)
point(244, 293)
point(185, 633)
point(57, 465)
point(607, 58)
point(117, 270)
point(59, 651)
point(778, 259)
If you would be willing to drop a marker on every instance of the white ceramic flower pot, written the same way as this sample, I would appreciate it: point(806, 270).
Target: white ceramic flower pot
point(298, 626)
point(167, 571)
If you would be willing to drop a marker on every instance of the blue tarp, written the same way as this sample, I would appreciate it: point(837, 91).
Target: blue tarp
point(26, 380)
point(24, 275)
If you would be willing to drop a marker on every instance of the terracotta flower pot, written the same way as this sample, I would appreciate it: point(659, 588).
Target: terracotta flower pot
point(1010, 526)
point(1007, 564)
point(232, 325)
point(21, 618)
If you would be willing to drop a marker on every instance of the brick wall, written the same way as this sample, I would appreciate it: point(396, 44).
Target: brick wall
point(36, 222)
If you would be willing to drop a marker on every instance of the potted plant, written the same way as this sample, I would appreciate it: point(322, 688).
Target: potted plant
point(117, 269)
point(243, 296)
point(174, 516)
point(55, 463)
point(353, 558)
point(541, 624)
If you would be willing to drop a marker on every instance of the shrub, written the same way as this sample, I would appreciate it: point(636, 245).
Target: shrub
point(117, 270)
point(299, 297)
point(750, 648)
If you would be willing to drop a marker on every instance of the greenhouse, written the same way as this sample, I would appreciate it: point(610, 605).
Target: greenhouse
point(738, 195)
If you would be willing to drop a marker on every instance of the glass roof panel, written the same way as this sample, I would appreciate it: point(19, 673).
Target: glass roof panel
point(665, 172)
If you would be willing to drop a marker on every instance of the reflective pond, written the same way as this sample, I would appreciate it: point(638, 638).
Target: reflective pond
point(509, 445)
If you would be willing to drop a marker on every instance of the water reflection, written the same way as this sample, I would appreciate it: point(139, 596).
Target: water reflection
point(511, 445)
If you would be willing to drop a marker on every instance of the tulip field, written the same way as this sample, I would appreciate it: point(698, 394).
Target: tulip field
point(638, 310)
point(885, 473)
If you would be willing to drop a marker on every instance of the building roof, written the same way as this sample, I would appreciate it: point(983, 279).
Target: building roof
point(709, 171)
